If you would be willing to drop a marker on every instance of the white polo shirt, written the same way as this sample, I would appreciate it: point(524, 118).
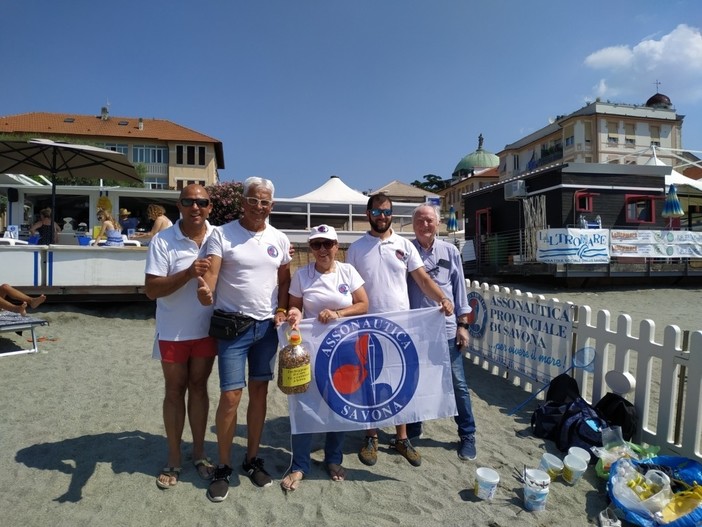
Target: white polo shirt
point(325, 290)
point(179, 316)
point(248, 277)
point(384, 265)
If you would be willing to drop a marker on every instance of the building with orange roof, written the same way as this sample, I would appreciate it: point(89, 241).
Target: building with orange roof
point(171, 155)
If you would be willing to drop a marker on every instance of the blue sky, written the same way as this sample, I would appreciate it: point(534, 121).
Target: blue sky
point(369, 90)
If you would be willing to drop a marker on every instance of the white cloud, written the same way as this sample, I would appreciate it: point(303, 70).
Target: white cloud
point(612, 57)
point(675, 59)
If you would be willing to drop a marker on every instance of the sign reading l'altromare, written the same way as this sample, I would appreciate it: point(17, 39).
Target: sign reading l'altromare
point(655, 244)
point(586, 246)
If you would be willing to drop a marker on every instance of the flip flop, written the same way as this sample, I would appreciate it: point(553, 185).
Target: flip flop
point(204, 467)
point(169, 472)
point(336, 472)
point(291, 481)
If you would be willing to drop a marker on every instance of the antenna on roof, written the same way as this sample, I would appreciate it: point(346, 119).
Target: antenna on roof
point(657, 83)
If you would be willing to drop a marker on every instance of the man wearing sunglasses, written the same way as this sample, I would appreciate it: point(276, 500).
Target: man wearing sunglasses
point(249, 274)
point(443, 263)
point(175, 260)
point(384, 260)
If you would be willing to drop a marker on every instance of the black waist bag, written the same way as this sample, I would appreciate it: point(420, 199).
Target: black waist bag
point(227, 325)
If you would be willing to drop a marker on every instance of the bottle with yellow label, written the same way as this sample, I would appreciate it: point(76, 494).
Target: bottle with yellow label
point(294, 371)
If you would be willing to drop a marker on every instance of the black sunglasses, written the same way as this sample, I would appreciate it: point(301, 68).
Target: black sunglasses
point(316, 245)
point(377, 212)
point(189, 202)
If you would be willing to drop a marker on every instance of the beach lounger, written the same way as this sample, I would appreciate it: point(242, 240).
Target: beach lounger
point(17, 323)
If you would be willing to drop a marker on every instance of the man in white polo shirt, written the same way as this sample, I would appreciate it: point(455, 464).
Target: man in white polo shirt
point(175, 260)
point(384, 260)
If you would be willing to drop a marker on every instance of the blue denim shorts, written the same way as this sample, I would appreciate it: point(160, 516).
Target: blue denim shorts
point(258, 344)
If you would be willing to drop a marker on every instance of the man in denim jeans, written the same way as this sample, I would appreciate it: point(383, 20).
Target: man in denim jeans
point(250, 274)
point(442, 262)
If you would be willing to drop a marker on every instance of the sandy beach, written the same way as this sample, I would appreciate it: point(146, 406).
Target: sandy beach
point(82, 438)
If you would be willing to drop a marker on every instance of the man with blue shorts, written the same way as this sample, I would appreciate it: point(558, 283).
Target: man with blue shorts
point(250, 274)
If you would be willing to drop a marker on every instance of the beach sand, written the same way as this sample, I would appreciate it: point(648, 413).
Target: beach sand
point(82, 439)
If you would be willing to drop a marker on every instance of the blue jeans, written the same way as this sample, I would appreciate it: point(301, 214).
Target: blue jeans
point(302, 445)
point(464, 419)
point(258, 345)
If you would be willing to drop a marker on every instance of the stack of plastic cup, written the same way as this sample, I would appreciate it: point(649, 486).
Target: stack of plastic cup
point(573, 468)
point(552, 465)
point(486, 481)
point(536, 488)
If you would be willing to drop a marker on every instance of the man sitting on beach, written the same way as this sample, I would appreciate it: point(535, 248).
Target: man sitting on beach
point(384, 260)
point(176, 258)
point(442, 262)
point(249, 274)
point(7, 291)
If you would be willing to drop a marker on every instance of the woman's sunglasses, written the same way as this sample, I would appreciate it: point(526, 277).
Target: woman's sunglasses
point(201, 202)
point(316, 245)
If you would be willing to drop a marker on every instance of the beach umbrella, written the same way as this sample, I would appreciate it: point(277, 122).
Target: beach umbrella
point(452, 222)
point(43, 156)
point(671, 207)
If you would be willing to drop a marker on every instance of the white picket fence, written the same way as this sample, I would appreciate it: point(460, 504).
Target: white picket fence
point(668, 375)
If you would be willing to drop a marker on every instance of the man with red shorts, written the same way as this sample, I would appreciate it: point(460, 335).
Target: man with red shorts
point(177, 257)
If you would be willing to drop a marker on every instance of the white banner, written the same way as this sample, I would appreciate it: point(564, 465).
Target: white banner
point(573, 246)
point(656, 244)
point(525, 334)
point(374, 371)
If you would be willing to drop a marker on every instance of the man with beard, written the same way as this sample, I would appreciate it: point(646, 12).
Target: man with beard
point(175, 260)
point(384, 259)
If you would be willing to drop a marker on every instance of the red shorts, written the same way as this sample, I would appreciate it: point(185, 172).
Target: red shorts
point(180, 351)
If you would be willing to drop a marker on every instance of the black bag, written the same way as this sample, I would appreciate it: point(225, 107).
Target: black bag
point(581, 425)
point(617, 411)
point(562, 390)
point(227, 325)
point(546, 419)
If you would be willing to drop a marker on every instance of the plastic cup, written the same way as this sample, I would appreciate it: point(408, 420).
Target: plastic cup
point(581, 453)
point(552, 465)
point(573, 468)
point(536, 489)
point(486, 480)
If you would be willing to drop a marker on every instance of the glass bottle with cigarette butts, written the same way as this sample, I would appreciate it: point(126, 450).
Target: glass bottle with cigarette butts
point(294, 371)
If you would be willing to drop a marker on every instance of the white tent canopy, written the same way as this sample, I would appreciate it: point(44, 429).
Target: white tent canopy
point(333, 191)
point(675, 177)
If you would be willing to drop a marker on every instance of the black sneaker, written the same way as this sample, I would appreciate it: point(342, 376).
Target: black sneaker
point(254, 468)
point(466, 449)
point(219, 488)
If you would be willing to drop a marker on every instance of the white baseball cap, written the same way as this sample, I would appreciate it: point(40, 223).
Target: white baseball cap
point(323, 231)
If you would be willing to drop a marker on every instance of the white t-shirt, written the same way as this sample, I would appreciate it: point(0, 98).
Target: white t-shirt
point(325, 290)
point(248, 277)
point(384, 265)
point(179, 316)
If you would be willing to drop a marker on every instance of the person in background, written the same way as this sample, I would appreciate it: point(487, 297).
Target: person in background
point(43, 228)
point(176, 258)
point(249, 273)
point(127, 222)
point(443, 264)
point(9, 292)
point(157, 214)
point(110, 229)
point(384, 259)
point(324, 290)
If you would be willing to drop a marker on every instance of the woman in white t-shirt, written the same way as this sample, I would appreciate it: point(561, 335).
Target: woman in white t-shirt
point(325, 290)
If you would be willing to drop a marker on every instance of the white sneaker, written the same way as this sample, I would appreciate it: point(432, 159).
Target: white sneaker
point(609, 519)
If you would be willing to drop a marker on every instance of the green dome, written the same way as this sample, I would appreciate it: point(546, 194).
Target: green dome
point(478, 159)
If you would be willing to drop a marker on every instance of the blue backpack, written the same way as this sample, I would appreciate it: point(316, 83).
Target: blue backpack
point(581, 425)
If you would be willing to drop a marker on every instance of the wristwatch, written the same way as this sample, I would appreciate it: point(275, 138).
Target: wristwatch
point(464, 325)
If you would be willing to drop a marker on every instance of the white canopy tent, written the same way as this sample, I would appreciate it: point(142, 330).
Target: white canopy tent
point(333, 191)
